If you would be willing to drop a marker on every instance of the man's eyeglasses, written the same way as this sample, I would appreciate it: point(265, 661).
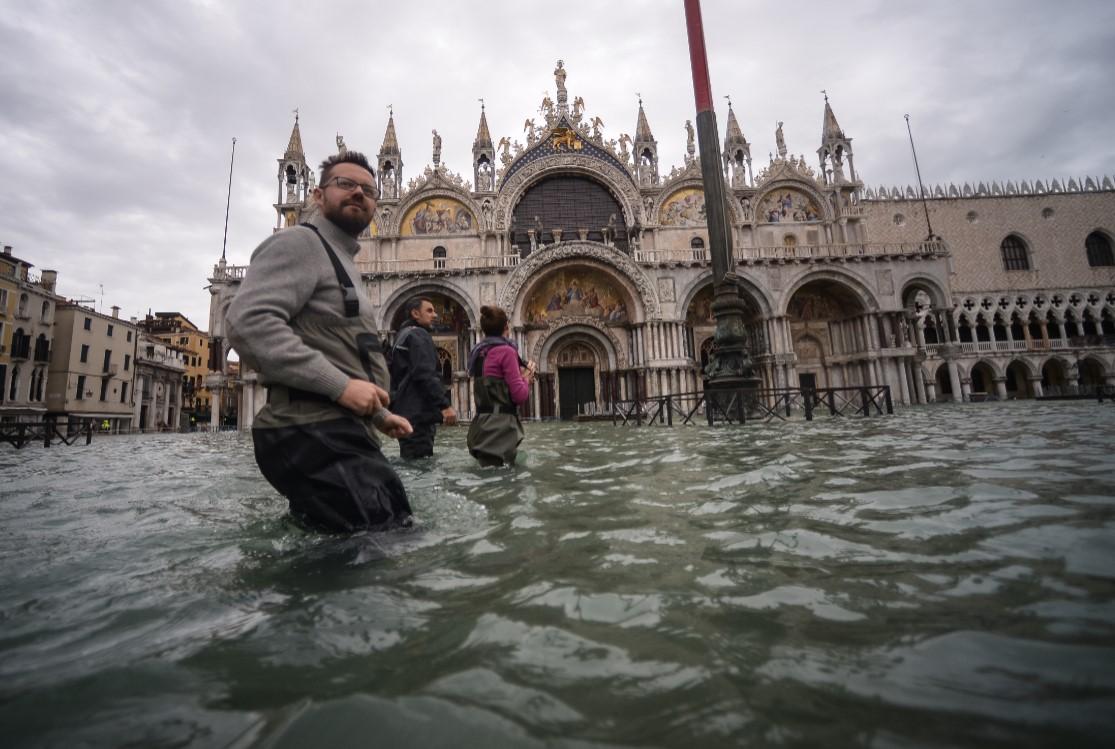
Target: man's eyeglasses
point(349, 185)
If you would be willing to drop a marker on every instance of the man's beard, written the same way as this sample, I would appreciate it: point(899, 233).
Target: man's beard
point(348, 223)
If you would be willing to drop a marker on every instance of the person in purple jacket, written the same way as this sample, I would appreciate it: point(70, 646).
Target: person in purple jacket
point(501, 383)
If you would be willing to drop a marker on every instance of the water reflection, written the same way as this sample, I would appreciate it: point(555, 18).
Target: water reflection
point(941, 577)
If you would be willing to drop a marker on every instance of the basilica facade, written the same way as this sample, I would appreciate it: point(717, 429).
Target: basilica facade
point(601, 259)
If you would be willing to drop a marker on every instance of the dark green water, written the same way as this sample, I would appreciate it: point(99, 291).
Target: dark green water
point(944, 577)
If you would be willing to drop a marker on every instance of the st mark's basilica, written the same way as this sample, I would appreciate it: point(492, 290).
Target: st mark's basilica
point(600, 257)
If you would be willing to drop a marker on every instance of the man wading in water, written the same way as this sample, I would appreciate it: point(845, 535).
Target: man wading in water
point(301, 322)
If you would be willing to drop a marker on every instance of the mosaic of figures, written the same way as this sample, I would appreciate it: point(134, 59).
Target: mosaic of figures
point(437, 216)
point(781, 206)
point(807, 305)
point(451, 317)
point(700, 309)
point(581, 292)
point(685, 207)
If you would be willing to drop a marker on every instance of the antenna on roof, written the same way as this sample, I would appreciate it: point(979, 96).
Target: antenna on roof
point(228, 201)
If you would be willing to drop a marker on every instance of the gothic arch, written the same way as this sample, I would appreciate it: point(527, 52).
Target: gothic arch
point(996, 370)
point(931, 285)
point(586, 326)
point(392, 225)
point(828, 215)
point(1026, 363)
point(618, 183)
point(1104, 368)
point(528, 271)
point(683, 182)
point(856, 286)
point(446, 288)
point(747, 285)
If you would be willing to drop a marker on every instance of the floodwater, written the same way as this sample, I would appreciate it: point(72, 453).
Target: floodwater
point(942, 577)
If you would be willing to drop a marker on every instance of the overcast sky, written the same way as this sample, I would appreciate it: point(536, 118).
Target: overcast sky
point(117, 117)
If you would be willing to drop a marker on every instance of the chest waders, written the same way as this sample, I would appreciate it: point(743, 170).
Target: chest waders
point(322, 457)
point(495, 432)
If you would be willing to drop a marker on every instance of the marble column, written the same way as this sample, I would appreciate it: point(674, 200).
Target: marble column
point(1001, 388)
point(954, 380)
point(1035, 386)
point(919, 382)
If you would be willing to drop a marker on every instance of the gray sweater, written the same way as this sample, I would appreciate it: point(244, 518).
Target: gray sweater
point(289, 275)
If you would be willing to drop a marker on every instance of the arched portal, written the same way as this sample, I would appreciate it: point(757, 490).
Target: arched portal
point(1091, 375)
point(828, 338)
point(579, 372)
point(575, 316)
point(700, 323)
point(983, 381)
point(1018, 381)
point(450, 331)
point(944, 383)
point(1054, 377)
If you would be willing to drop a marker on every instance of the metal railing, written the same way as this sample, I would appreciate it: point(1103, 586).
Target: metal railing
point(742, 405)
point(47, 431)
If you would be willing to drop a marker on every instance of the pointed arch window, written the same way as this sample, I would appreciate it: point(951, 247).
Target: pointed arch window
point(1099, 250)
point(439, 257)
point(1016, 256)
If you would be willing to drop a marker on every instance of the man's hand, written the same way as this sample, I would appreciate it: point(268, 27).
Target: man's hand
point(448, 416)
point(395, 426)
point(364, 398)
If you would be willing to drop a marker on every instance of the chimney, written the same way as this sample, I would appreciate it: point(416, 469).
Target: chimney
point(115, 311)
point(48, 278)
point(7, 249)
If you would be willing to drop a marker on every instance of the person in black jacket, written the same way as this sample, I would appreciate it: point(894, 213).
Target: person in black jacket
point(417, 392)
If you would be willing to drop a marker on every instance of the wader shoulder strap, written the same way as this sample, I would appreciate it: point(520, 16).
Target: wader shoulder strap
point(352, 302)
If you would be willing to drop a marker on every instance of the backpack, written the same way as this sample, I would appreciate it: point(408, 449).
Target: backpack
point(395, 361)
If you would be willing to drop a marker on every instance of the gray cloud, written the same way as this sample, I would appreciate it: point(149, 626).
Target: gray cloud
point(117, 118)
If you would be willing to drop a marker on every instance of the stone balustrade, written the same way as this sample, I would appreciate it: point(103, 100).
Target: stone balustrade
point(800, 252)
point(378, 267)
point(760, 254)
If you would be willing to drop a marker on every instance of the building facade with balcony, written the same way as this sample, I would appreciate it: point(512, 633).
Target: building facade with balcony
point(159, 381)
point(27, 311)
point(176, 330)
point(601, 261)
point(92, 367)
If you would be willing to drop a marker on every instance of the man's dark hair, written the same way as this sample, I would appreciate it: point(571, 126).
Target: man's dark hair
point(348, 157)
point(414, 305)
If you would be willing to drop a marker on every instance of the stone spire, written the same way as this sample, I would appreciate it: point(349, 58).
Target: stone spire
point(483, 137)
point(390, 145)
point(737, 152)
point(831, 128)
point(390, 161)
point(296, 180)
point(642, 128)
point(646, 151)
point(835, 147)
point(483, 156)
point(294, 147)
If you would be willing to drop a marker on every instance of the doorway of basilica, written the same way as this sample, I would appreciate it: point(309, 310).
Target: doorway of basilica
point(577, 365)
point(829, 339)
